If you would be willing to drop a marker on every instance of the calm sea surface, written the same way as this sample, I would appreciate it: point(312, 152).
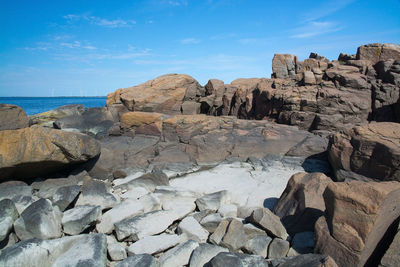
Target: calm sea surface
point(34, 105)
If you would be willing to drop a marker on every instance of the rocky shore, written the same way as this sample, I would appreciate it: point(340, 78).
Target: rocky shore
point(302, 169)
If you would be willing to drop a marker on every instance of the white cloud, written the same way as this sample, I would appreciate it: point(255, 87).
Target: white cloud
point(314, 28)
point(178, 2)
point(103, 22)
point(190, 41)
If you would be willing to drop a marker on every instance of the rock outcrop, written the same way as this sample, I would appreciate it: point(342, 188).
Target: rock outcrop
point(369, 152)
point(361, 219)
point(49, 117)
point(12, 117)
point(34, 151)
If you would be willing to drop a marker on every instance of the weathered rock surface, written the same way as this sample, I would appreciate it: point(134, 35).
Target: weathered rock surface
point(268, 221)
point(258, 245)
point(95, 192)
point(49, 117)
point(164, 94)
point(213, 201)
point(12, 117)
point(193, 230)
point(204, 253)
point(278, 248)
point(76, 220)
point(359, 215)
point(301, 204)
point(94, 121)
point(367, 152)
point(306, 260)
point(123, 210)
point(65, 195)
point(86, 250)
point(392, 256)
point(36, 151)
point(8, 214)
point(378, 52)
point(153, 244)
point(141, 260)
point(179, 255)
point(39, 220)
point(236, 260)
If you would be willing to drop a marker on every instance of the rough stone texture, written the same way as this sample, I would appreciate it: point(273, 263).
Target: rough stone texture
point(235, 237)
point(164, 94)
point(82, 250)
point(378, 52)
point(148, 224)
point(213, 201)
point(139, 260)
point(211, 222)
point(306, 260)
point(123, 210)
point(8, 214)
point(95, 192)
point(204, 253)
point(19, 192)
point(284, 66)
point(258, 245)
point(153, 244)
point(392, 256)
point(116, 252)
point(367, 152)
point(35, 151)
point(142, 123)
point(95, 122)
point(65, 195)
point(149, 181)
point(193, 230)
point(179, 255)
point(49, 117)
point(301, 204)
point(278, 248)
point(12, 117)
point(39, 220)
point(268, 221)
point(237, 260)
point(359, 215)
point(228, 210)
point(76, 220)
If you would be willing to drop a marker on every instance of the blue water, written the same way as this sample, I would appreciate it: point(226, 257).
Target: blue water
point(34, 105)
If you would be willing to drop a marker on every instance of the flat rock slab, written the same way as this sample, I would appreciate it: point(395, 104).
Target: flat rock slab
point(258, 245)
point(76, 220)
point(123, 210)
point(148, 224)
point(154, 244)
point(193, 230)
point(278, 248)
point(39, 220)
point(179, 255)
point(213, 201)
point(86, 250)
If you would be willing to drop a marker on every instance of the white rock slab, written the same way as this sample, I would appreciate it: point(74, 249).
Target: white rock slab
point(153, 244)
point(179, 255)
point(193, 230)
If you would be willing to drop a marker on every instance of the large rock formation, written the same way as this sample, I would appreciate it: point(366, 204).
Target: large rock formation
point(301, 204)
point(164, 94)
point(49, 117)
point(360, 220)
point(367, 152)
point(34, 151)
point(12, 117)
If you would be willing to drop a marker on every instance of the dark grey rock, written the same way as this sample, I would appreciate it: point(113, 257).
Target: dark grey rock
point(303, 242)
point(237, 260)
point(306, 260)
point(65, 195)
point(39, 220)
point(8, 214)
point(138, 260)
point(76, 220)
point(268, 221)
point(204, 253)
point(179, 255)
point(12, 117)
point(258, 245)
point(95, 192)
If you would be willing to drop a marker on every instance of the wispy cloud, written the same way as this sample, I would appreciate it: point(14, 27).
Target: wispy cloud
point(190, 41)
point(223, 36)
point(103, 22)
point(314, 28)
point(90, 57)
point(325, 9)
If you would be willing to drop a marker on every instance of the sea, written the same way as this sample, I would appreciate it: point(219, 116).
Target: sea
point(34, 105)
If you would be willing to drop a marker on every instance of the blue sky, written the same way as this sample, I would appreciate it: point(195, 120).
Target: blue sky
point(86, 48)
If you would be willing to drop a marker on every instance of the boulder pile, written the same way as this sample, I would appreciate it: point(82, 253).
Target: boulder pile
point(172, 173)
